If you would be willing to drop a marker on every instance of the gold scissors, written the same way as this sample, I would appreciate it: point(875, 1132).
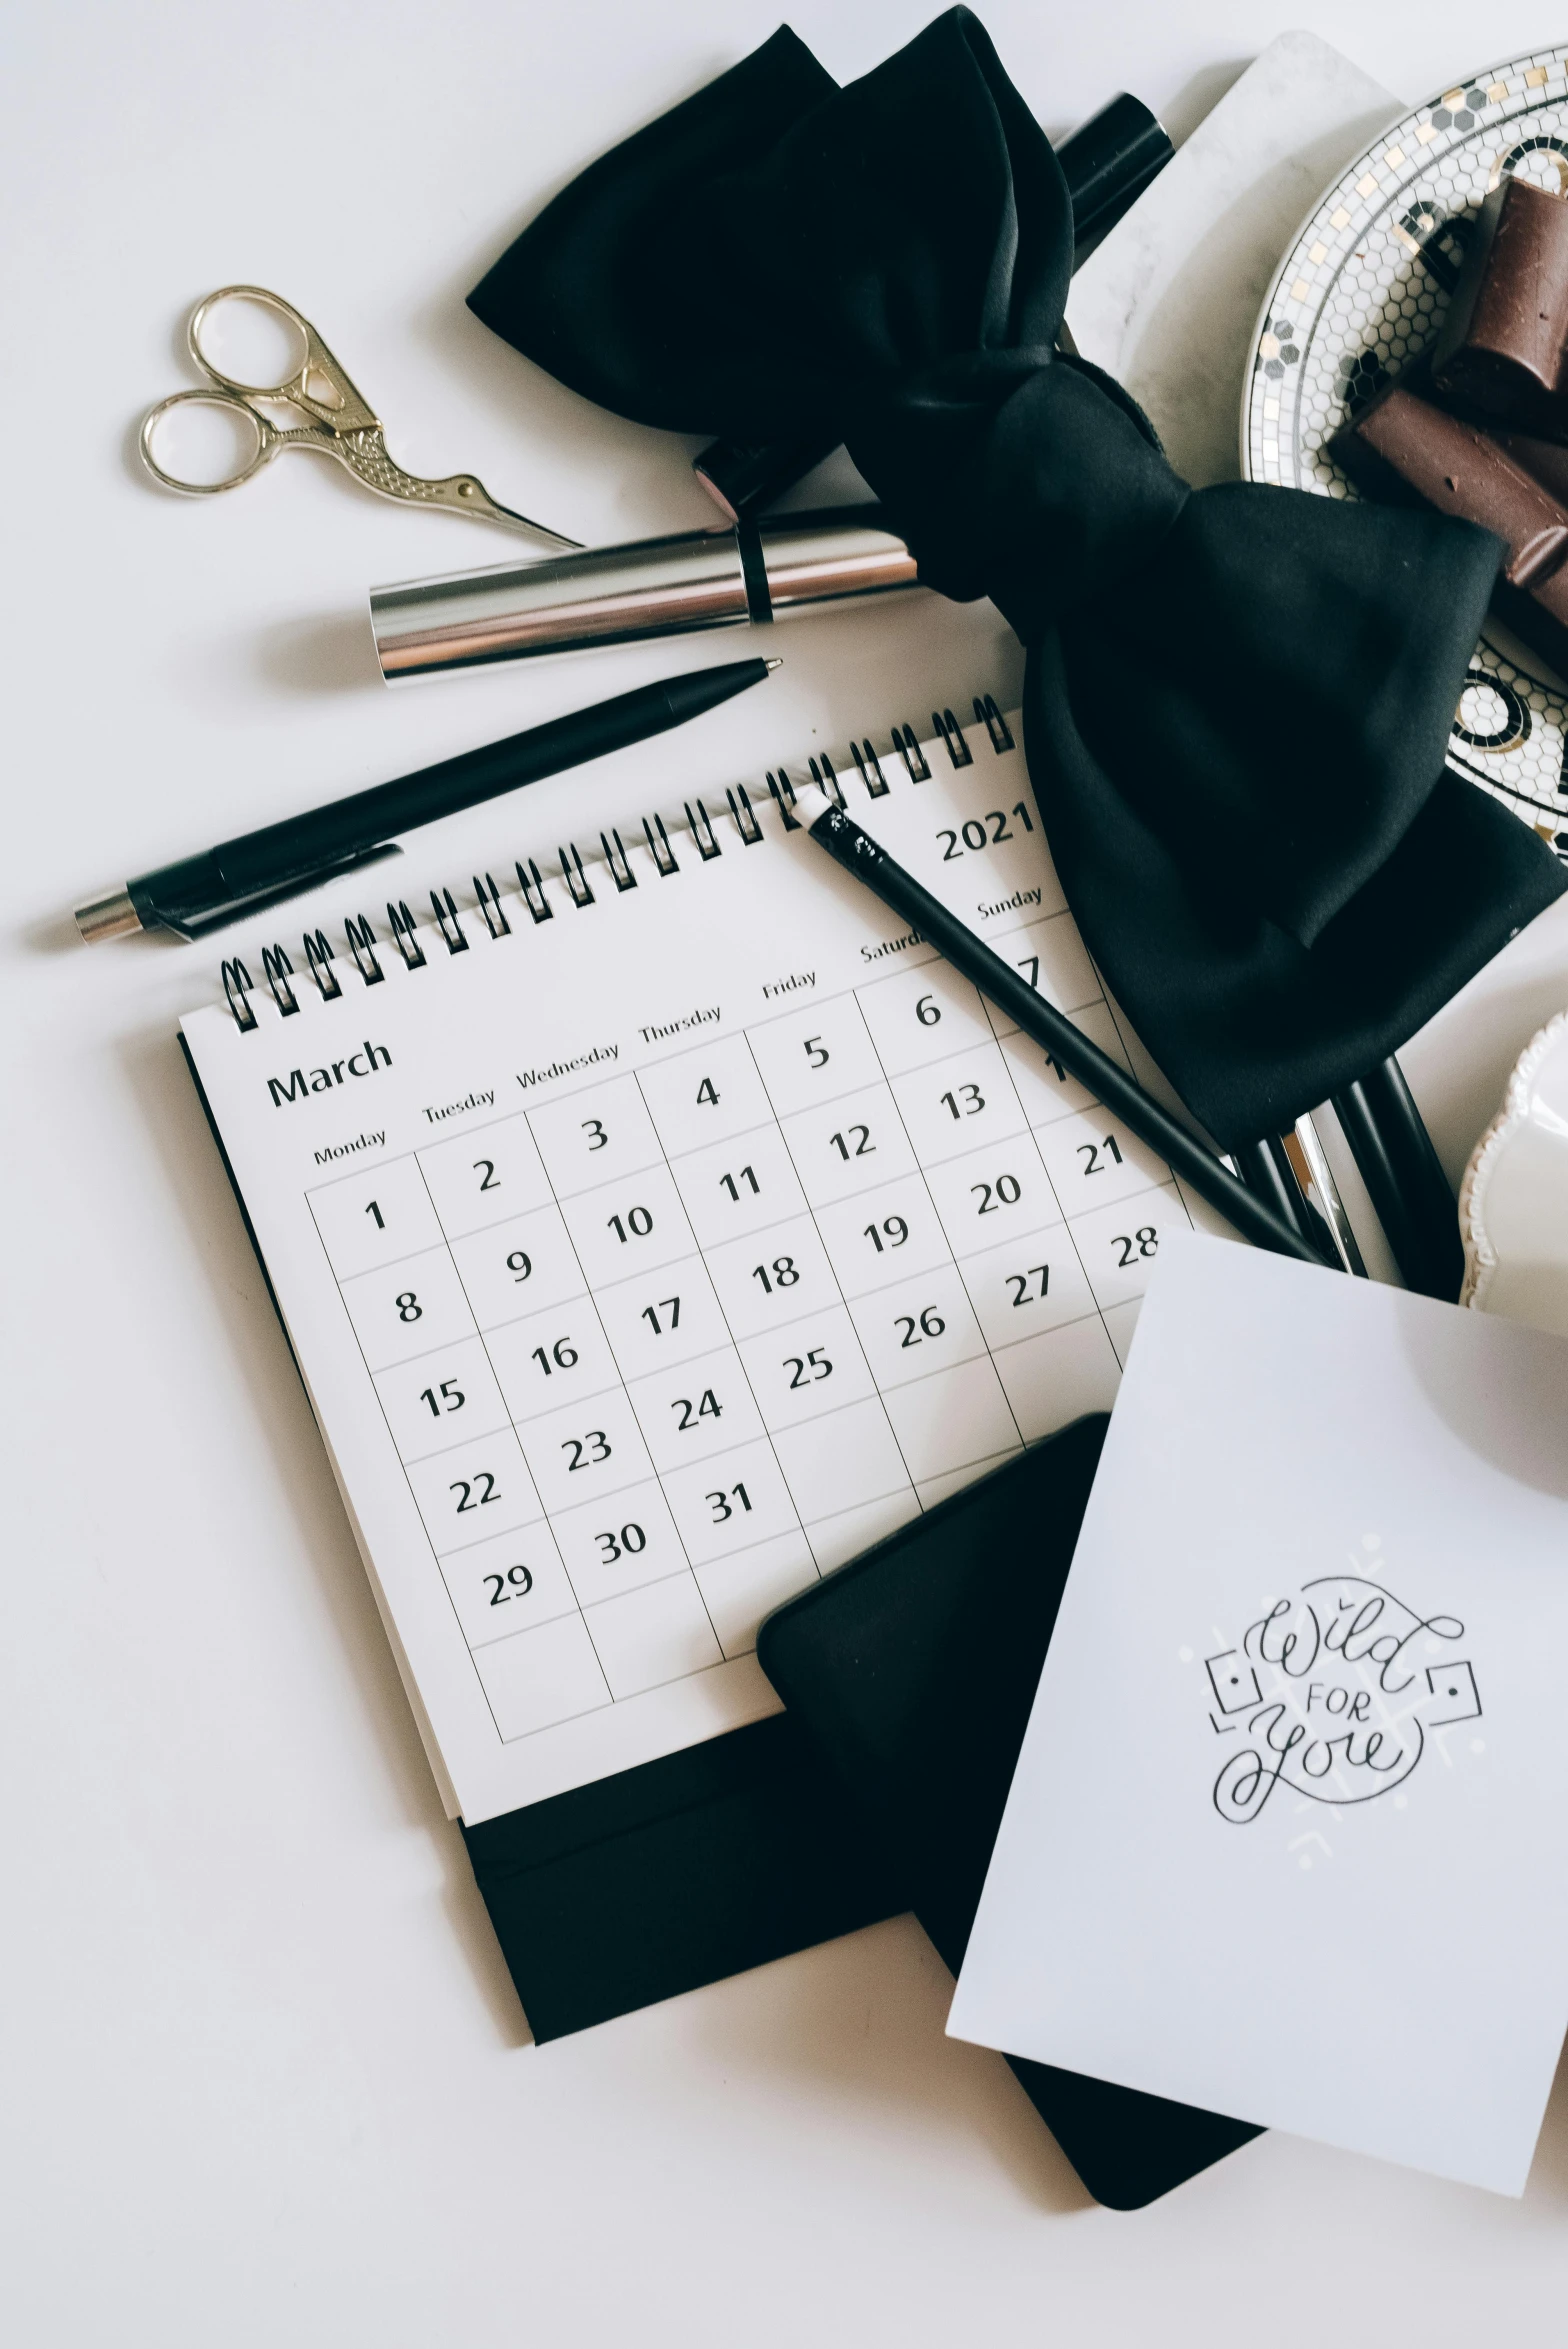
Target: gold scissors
point(342, 424)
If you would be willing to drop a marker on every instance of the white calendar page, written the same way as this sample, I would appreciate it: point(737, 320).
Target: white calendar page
point(652, 1260)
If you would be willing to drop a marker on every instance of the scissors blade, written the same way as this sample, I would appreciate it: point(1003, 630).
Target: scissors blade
point(486, 507)
point(365, 455)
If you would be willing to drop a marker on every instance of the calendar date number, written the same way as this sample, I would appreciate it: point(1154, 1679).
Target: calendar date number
point(853, 1142)
point(1006, 1191)
point(927, 1323)
point(474, 1491)
point(1145, 1241)
point(1099, 1156)
point(515, 1583)
point(783, 1274)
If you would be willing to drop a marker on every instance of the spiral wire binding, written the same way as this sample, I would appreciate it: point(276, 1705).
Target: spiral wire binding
point(870, 766)
point(444, 906)
point(702, 832)
point(990, 717)
point(783, 791)
point(659, 847)
point(531, 882)
point(404, 934)
point(237, 984)
point(362, 945)
point(318, 961)
point(913, 756)
point(279, 971)
point(489, 898)
point(618, 861)
point(360, 935)
point(573, 875)
point(825, 780)
point(952, 735)
point(746, 823)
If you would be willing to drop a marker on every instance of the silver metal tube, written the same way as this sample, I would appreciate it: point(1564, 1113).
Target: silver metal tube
point(831, 558)
point(1323, 1193)
point(113, 916)
point(624, 594)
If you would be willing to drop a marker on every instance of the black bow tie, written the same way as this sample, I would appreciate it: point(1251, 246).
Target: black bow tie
point(1237, 699)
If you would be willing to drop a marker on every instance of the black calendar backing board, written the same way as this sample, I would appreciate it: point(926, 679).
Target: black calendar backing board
point(676, 1874)
point(912, 1671)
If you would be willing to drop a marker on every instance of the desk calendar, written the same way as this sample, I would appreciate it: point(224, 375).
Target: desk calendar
point(668, 1233)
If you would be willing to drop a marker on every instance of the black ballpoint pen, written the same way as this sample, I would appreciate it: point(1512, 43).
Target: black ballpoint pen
point(860, 855)
point(262, 868)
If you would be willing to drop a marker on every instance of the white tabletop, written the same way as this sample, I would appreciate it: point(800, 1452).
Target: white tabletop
point(266, 2078)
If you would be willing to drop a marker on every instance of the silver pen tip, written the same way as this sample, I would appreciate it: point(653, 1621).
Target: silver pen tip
point(775, 663)
point(108, 917)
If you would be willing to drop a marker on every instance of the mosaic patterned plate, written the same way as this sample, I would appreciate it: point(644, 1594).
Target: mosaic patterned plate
point(1361, 293)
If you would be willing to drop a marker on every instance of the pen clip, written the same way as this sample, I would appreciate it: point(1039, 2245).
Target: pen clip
point(240, 908)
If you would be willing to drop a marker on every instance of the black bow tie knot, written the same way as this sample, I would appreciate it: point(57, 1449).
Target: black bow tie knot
point(1237, 699)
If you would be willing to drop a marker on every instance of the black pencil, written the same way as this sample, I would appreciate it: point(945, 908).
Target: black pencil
point(860, 855)
point(1404, 1179)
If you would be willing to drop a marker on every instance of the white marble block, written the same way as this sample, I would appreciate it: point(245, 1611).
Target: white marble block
point(1169, 301)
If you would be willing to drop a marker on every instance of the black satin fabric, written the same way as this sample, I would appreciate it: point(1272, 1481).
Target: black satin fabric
point(1237, 699)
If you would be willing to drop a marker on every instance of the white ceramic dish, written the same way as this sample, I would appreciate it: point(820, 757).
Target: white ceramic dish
point(1513, 1202)
point(1360, 293)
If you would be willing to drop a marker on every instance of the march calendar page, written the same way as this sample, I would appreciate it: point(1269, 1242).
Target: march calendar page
point(646, 1261)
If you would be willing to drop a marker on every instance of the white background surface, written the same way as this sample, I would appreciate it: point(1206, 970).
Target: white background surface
point(265, 2076)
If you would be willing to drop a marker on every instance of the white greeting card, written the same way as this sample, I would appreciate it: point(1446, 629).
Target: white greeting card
point(1288, 1837)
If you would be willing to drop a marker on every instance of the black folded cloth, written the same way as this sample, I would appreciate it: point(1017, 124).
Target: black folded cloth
point(1237, 699)
point(911, 1674)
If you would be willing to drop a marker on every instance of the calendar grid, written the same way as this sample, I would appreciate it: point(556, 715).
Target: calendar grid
point(957, 1267)
point(587, 1292)
point(610, 1345)
point(729, 1327)
point(837, 1283)
point(403, 1464)
point(1061, 1204)
point(1095, 1312)
point(973, 1417)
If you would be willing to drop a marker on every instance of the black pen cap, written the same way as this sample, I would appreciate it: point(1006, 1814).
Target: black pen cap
point(1107, 163)
point(745, 476)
